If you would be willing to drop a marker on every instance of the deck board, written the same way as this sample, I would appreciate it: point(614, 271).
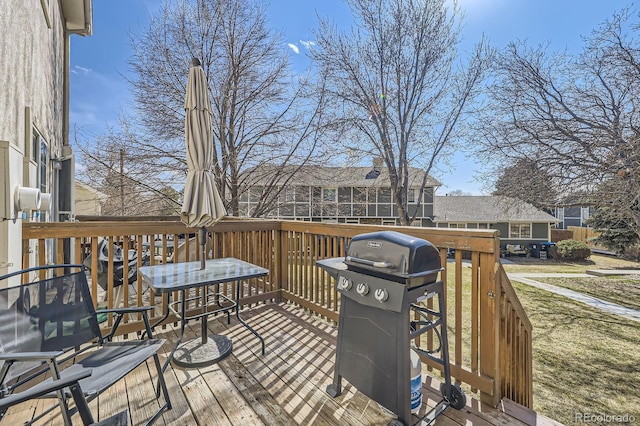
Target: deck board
point(286, 386)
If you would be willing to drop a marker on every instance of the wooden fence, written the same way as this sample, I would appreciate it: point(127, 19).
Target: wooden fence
point(491, 341)
point(584, 234)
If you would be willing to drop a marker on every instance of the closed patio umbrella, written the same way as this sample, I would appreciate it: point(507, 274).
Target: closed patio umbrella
point(202, 205)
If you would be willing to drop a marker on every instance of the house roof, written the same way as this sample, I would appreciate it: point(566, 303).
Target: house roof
point(334, 177)
point(490, 208)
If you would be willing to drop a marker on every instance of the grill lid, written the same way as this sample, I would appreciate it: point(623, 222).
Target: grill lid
point(393, 254)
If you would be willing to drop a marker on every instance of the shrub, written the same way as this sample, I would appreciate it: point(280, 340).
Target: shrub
point(632, 253)
point(573, 250)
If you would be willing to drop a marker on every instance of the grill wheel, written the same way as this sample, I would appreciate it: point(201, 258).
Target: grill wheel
point(454, 395)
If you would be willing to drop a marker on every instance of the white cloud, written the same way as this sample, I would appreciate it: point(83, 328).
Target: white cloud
point(295, 48)
point(80, 70)
point(308, 44)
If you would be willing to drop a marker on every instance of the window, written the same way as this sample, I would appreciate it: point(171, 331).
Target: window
point(328, 194)
point(289, 194)
point(344, 195)
point(411, 195)
point(428, 195)
point(302, 194)
point(359, 195)
point(302, 210)
point(520, 230)
point(255, 194)
point(344, 209)
point(359, 210)
point(483, 226)
point(286, 210)
point(40, 156)
point(42, 167)
point(35, 145)
point(384, 195)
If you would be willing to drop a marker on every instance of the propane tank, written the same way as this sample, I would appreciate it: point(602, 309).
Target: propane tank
point(416, 381)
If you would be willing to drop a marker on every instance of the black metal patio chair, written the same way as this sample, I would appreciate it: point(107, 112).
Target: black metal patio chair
point(52, 323)
point(72, 382)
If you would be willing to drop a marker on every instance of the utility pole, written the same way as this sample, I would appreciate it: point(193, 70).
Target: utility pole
point(122, 182)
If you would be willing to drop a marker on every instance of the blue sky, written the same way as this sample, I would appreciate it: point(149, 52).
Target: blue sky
point(99, 92)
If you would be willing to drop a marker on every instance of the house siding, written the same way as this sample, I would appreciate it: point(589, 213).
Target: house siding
point(540, 231)
point(502, 227)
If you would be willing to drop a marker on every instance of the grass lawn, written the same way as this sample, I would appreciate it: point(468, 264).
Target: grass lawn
point(620, 290)
point(585, 360)
point(522, 264)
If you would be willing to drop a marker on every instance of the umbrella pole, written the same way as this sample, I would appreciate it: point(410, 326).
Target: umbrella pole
point(203, 242)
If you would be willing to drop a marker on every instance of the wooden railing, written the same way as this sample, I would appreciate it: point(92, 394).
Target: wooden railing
point(490, 334)
point(516, 363)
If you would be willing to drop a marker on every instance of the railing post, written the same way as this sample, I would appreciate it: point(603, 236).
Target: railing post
point(283, 258)
point(490, 325)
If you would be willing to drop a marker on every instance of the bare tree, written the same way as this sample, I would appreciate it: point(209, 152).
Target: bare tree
point(262, 114)
point(577, 117)
point(396, 87)
point(130, 180)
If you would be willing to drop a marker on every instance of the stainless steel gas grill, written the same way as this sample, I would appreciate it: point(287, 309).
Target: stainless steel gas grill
point(381, 281)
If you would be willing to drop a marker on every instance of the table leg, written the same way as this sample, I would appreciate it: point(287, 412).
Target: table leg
point(247, 326)
point(182, 325)
point(164, 317)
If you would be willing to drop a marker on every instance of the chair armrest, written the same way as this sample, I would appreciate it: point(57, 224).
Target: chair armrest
point(42, 389)
point(30, 356)
point(119, 312)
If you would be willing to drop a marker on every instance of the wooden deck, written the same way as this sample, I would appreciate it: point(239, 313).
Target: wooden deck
point(286, 386)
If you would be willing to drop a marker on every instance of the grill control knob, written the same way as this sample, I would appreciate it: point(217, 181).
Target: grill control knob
point(345, 284)
point(381, 295)
point(363, 289)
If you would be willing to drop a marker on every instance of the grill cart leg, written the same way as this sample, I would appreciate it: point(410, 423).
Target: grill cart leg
point(335, 389)
point(451, 392)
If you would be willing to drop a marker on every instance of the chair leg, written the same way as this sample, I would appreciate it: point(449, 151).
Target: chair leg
point(81, 404)
point(162, 386)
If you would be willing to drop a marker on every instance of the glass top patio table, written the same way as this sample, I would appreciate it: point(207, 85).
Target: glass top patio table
point(169, 277)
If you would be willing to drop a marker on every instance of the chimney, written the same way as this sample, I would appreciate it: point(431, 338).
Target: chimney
point(377, 163)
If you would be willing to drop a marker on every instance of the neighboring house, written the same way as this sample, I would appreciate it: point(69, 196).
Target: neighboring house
point(36, 160)
point(339, 195)
point(363, 195)
point(572, 216)
point(518, 222)
point(88, 200)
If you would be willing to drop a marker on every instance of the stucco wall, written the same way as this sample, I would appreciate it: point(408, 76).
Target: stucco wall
point(31, 77)
point(31, 71)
